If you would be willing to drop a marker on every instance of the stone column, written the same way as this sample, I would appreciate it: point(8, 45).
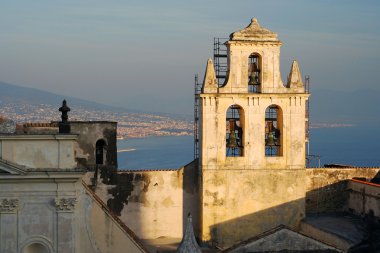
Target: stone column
point(8, 225)
point(65, 224)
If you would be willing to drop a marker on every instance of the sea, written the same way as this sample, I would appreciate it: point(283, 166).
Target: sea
point(354, 145)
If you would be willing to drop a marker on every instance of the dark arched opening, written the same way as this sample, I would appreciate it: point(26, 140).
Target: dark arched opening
point(254, 73)
point(273, 131)
point(100, 152)
point(234, 131)
point(35, 248)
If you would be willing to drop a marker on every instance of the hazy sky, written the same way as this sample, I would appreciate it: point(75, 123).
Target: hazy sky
point(144, 54)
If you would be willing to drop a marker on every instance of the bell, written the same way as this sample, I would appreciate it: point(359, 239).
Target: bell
point(253, 67)
point(269, 126)
point(277, 135)
point(253, 80)
point(253, 74)
point(270, 140)
point(231, 141)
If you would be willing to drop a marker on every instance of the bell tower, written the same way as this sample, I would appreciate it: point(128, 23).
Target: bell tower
point(252, 142)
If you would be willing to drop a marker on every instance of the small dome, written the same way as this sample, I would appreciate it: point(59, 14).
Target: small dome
point(254, 32)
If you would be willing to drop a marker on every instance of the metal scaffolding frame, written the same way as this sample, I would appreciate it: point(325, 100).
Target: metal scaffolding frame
point(220, 60)
point(197, 91)
point(220, 65)
point(307, 122)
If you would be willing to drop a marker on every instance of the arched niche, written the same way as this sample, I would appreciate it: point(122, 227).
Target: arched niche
point(35, 247)
point(100, 152)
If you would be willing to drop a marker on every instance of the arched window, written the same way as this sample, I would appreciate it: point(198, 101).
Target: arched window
point(234, 131)
point(100, 151)
point(254, 73)
point(35, 248)
point(273, 131)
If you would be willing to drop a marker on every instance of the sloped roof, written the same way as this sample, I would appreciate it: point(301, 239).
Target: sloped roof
point(254, 32)
point(280, 239)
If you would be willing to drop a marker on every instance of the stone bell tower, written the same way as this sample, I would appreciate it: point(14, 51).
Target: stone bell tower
point(252, 142)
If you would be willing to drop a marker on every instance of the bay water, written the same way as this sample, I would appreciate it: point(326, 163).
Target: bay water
point(356, 145)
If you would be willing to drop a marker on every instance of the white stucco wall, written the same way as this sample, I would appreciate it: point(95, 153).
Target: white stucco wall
point(39, 151)
point(57, 214)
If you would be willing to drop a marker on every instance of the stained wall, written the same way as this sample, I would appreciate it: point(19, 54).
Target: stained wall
point(153, 203)
point(89, 132)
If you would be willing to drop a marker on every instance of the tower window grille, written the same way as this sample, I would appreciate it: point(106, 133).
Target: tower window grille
point(234, 131)
point(254, 73)
point(273, 129)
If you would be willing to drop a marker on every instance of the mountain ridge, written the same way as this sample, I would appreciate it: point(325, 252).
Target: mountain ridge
point(12, 93)
point(17, 93)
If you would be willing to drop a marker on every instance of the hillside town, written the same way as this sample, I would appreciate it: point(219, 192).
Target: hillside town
point(130, 125)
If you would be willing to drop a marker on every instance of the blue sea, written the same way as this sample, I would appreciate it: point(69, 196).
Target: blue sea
point(356, 145)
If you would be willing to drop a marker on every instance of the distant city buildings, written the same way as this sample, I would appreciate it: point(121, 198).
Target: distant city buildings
point(130, 125)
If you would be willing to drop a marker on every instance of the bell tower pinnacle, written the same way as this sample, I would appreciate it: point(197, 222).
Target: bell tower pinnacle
point(252, 141)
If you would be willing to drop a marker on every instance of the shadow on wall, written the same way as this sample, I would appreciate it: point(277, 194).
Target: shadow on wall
point(334, 198)
point(228, 233)
point(330, 198)
point(155, 204)
point(376, 179)
point(190, 196)
point(326, 188)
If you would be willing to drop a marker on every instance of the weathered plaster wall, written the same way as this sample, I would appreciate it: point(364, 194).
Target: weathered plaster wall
point(238, 204)
point(39, 209)
point(153, 203)
point(238, 54)
point(326, 188)
point(227, 181)
point(364, 198)
point(213, 130)
point(100, 231)
point(39, 151)
point(56, 212)
point(89, 133)
point(244, 196)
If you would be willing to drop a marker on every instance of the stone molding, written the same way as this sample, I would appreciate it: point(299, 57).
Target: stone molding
point(8, 205)
point(65, 204)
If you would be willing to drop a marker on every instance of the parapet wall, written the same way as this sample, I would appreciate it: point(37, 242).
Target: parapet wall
point(364, 198)
point(326, 188)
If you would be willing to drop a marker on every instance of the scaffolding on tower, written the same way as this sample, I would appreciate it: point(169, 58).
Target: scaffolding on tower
point(220, 60)
point(197, 91)
point(307, 121)
point(221, 67)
